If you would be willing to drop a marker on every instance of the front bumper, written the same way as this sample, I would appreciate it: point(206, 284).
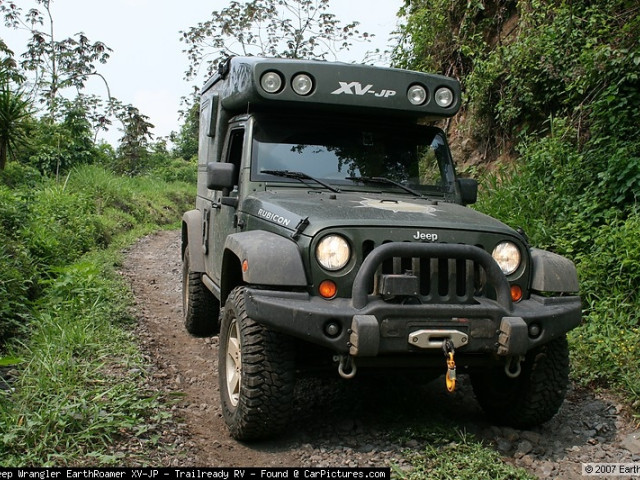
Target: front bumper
point(305, 317)
point(368, 326)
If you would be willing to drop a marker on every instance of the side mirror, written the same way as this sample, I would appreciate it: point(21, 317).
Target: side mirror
point(220, 176)
point(468, 190)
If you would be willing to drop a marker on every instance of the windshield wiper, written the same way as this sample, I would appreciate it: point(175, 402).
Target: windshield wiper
point(299, 176)
point(386, 181)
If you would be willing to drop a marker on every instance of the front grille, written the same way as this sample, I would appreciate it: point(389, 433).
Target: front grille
point(441, 280)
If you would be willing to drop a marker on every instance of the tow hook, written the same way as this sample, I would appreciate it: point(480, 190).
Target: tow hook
point(450, 377)
point(512, 367)
point(347, 366)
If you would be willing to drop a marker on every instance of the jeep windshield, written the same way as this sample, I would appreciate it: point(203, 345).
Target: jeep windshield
point(403, 158)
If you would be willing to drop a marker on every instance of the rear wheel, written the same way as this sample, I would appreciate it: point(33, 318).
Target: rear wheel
point(256, 374)
point(200, 308)
point(532, 398)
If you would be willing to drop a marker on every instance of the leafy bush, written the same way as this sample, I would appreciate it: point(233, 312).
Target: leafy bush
point(45, 226)
point(604, 244)
point(178, 170)
point(56, 147)
point(606, 348)
point(19, 176)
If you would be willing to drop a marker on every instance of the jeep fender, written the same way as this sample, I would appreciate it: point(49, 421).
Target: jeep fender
point(553, 273)
point(192, 237)
point(266, 259)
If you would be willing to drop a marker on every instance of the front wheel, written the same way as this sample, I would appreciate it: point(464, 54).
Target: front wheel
point(256, 374)
point(532, 398)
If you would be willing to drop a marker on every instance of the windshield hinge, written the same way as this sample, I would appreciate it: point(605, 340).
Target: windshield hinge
point(302, 224)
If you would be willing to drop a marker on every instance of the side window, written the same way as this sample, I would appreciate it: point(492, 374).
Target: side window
point(234, 152)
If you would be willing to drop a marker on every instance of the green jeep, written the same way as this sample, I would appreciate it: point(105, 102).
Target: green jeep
point(330, 229)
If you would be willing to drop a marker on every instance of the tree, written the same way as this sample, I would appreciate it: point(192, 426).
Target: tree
point(56, 64)
point(15, 115)
point(133, 150)
point(8, 65)
point(276, 28)
point(185, 141)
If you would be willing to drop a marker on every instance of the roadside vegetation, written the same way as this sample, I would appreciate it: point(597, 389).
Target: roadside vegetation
point(551, 118)
point(73, 375)
point(552, 91)
point(453, 453)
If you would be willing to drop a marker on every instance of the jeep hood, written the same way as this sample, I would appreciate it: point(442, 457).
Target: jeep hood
point(364, 209)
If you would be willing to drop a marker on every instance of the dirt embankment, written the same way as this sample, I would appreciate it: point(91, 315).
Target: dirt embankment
point(336, 422)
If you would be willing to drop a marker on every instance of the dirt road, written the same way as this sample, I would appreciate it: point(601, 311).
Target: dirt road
point(339, 423)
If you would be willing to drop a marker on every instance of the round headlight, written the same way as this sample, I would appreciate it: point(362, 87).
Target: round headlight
point(443, 97)
point(333, 252)
point(417, 94)
point(271, 82)
point(302, 84)
point(507, 256)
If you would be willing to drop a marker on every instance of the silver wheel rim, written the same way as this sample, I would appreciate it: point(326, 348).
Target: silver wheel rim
point(233, 364)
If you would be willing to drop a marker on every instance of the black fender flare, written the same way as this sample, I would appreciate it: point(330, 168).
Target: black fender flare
point(192, 239)
point(266, 259)
point(553, 273)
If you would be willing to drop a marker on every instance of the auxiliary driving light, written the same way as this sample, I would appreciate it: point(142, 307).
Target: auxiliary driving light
point(271, 82)
point(332, 329)
point(417, 94)
point(443, 97)
point(534, 330)
point(302, 84)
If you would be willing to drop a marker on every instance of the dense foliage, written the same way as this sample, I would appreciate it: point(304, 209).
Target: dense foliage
point(64, 323)
point(557, 86)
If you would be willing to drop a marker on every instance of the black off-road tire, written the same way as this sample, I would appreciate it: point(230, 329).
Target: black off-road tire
point(532, 398)
point(256, 371)
point(200, 308)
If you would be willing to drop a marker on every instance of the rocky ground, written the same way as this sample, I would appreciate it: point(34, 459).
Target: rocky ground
point(336, 422)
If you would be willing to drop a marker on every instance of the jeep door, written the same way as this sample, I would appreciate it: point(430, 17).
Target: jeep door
point(224, 208)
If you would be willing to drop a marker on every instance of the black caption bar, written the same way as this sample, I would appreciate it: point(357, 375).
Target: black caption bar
point(291, 473)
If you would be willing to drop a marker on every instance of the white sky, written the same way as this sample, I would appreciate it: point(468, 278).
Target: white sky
point(147, 65)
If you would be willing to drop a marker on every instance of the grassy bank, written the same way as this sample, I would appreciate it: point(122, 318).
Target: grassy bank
point(73, 371)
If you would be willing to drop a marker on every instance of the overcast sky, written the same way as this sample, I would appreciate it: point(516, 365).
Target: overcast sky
point(147, 65)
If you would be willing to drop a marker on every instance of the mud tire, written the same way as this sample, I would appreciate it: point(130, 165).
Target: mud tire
point(532, 398)
point(200, 308)
point(256, 371)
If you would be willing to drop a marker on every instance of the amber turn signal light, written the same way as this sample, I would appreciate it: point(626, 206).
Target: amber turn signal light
point(327, 289)
point(516, 293)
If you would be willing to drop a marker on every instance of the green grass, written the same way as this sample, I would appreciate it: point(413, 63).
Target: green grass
point(78, 377)
point(454, 454)
point(79, 385)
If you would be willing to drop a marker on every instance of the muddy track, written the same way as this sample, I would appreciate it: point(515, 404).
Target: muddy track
point(339, 423)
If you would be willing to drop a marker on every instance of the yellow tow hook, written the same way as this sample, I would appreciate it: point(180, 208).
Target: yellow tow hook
point(450, 377)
